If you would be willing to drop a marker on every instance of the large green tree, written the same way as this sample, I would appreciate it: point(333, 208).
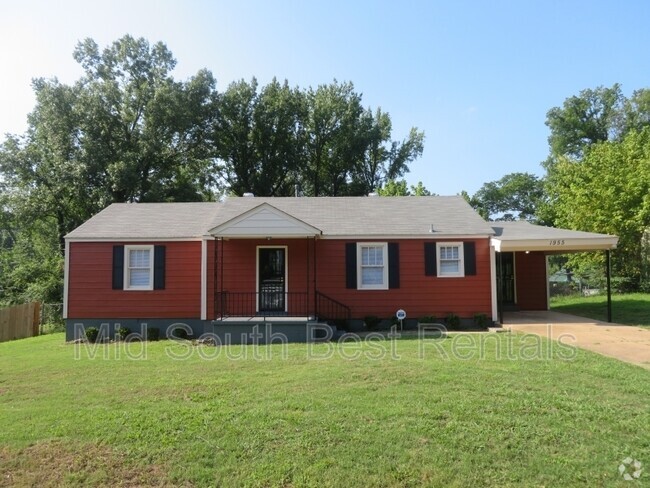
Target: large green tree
point(125, 131)
point(516, 196)
point(608, 191)
point(594, 115)
point(271, 139)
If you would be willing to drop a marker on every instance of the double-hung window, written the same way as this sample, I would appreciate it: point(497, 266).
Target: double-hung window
point(372, 259)
point(450, 259)
point(138, 268)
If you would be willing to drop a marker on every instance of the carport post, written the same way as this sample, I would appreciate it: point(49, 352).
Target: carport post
point(500, 288)
point(609, 285)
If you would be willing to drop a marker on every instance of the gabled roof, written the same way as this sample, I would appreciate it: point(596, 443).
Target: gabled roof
point(371, 216)
point(327, 216)
point(262, 221)
point(524, 236)
point(142, 221)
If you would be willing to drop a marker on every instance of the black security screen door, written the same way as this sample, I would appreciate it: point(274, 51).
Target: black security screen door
point(507, 274)
point(271, 279)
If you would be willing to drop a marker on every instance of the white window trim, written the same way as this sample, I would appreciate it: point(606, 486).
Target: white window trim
point(127, 251)
point(360, 285)
point(461, 258)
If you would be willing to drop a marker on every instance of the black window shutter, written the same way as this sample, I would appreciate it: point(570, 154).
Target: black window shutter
point(430, 259)
point(118, 267)
point(159, 268)
point(351, 265)
point(393, 265)
point(469, 250)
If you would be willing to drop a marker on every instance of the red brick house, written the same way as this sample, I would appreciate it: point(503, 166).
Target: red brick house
point(291, 261)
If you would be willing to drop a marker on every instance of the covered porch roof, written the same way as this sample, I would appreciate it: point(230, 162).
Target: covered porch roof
point(262, 221)
point(524, 236)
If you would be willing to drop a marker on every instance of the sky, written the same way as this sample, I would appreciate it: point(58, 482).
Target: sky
point(478, 77)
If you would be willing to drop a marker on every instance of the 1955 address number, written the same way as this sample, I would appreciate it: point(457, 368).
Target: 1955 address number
point(556, 242)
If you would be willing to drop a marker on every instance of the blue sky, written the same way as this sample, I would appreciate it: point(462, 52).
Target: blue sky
point(477, 77)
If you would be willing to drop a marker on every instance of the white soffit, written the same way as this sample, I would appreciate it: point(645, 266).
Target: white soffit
point(264, 221)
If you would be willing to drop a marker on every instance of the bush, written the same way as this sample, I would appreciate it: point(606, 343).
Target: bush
point(179, 333)
point(153, 334)
point(371, 321)
point(453, 321)
point(341, 324)
point(427, 319)
point(123, 332)
point(481, 320)
point(92, 333)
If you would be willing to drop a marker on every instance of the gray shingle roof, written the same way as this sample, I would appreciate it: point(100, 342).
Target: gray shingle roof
point(522, 230)
point(334, 216)
point(148, 221)
point(368, 216)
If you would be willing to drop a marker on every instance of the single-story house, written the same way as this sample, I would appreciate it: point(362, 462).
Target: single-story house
point(224, 267)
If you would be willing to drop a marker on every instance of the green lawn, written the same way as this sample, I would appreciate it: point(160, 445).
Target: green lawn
point(497, 418)
point(630, 309)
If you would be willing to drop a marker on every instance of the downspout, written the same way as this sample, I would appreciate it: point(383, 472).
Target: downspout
point(66, 278)
point(609, 285)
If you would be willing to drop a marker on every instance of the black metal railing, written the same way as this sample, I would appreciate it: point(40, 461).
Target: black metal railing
point(262, 304)
point(279, 304)
point(329, 309)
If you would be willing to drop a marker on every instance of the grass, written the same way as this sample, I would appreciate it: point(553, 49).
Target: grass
point(566, 418)
point(629, 309)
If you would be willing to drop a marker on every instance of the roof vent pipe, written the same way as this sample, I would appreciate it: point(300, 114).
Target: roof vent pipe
point(249, 195)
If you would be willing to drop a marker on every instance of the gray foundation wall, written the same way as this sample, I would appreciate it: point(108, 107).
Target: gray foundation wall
point(223, 333)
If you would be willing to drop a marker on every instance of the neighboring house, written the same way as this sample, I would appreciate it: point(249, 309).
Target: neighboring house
point(225, 267)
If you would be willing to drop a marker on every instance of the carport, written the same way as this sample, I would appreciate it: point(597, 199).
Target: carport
point(520, 264)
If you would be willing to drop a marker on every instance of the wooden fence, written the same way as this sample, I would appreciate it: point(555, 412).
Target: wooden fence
point(20, 321)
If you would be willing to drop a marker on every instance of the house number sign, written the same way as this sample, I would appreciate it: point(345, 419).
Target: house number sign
point(556, 242)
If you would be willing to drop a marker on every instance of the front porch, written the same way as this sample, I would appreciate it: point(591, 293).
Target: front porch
point(296, 307)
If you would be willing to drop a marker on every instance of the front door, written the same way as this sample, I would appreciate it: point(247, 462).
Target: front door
point(506, 279)
point(272, 279)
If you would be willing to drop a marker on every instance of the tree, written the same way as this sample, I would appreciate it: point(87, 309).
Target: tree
point(126, 131)
point(516, 196)
point(592, 116)
point(399, 188)
point(334, 143)
point(608, 191)
point(384, 159)
point(260, 137)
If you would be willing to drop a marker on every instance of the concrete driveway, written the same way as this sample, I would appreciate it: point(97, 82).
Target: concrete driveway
point(627, 343)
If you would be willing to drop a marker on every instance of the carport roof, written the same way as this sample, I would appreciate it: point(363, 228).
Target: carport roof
point(524, 236)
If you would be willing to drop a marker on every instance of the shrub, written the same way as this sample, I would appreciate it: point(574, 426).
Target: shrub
point(123, 332)
point(453, 321)
point(341, 324)
point(427, 319)
point(371, 321)
point(92, 333)
point(179, 333)
point(481, 320)
point(153, 334)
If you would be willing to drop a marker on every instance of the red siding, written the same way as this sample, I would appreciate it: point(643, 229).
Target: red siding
point(418, 294)
point(239, 266)
point(530, 280)
point(90, 284)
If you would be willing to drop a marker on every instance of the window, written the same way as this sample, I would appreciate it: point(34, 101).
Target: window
point(372, 259)
point(138, 268)
point(450, 259)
